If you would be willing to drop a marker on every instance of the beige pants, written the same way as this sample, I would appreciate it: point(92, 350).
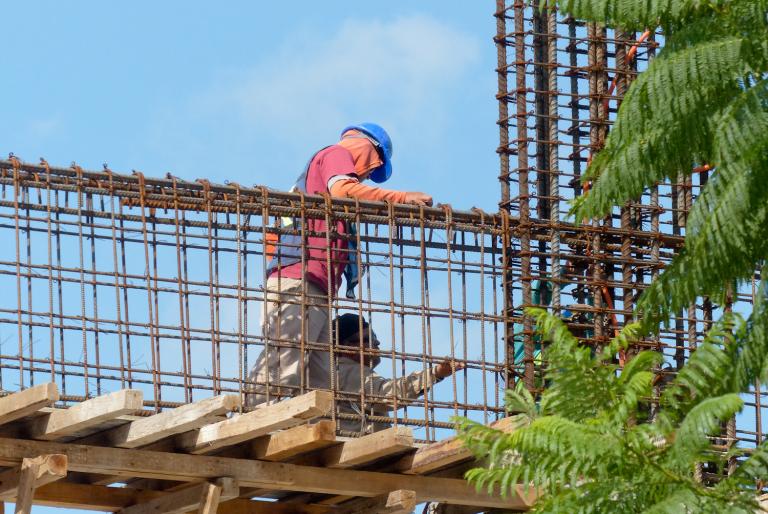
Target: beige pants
point(280, 367)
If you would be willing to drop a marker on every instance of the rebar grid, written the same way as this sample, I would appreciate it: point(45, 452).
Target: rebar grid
point(560, 82)
point(116, 281)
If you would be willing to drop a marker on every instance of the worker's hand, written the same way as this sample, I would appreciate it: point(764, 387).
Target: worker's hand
point(444, 369)
point(416, 198)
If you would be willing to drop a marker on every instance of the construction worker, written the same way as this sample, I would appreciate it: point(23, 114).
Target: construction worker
point(300, 282)
point(356, 354)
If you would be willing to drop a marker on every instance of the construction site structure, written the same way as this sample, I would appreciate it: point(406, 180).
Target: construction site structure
point(132, 308)
point(560, 84)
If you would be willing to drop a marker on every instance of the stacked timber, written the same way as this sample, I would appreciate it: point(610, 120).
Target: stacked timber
point(208, 457)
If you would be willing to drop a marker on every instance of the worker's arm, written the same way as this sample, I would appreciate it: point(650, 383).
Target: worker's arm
point(352, 188)
point(410, 386)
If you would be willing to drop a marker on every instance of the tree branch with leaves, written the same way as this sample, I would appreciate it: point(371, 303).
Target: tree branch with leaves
point(600, 440)
point(607, 439)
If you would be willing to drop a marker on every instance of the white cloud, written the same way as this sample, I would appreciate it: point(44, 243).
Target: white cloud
point(391, 72)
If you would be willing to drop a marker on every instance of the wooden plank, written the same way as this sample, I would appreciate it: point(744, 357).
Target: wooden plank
point(369, 448)
point(444, 508)
point(253, 473)
point(283, 445)
point(168, 423)
point(366, 450)
point(47, 468)
point(84, 416)
point(278, 447)
point(166, 445)
point(205, 494)
point(91, 497)
point(402, 501)
point(25, 488)
point(23, 403)
point(257, 423)
point(270, 507)
point(442, 454)
point(209, 499)
point(361, 451)
point(32, 473)
point(102, 498)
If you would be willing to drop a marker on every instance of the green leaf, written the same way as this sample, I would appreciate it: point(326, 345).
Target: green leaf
point(702, 421)
point(663, 123)
point(632, 14)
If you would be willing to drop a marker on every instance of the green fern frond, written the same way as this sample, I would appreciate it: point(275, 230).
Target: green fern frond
point(662, 121)
point(625, 406)
point(710, 262)
point(594, 453)
point(682, 500)
point(696, 500)
point(631, 14)
point(629, 333)
point(707, 372)
point(550, 440)
point(752, 360)
point(753, 469)
point(482, 439)
point(551, 327)
point(702, 421)
point(642, 362)
point(726, 225)
point(521, 402)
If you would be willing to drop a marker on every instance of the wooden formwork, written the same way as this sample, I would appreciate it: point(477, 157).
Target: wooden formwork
point(102, 454)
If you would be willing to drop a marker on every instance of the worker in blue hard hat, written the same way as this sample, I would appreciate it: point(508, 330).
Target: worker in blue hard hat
point(370, 147)
point(302, 278)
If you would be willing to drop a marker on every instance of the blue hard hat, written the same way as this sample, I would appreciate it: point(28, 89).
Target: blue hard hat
point(383, 143)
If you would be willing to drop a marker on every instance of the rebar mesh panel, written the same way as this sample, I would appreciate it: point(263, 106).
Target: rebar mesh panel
point(560, 84)
point(123, 282)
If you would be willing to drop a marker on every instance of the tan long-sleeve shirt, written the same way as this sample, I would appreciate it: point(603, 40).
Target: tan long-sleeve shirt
point(380, 393)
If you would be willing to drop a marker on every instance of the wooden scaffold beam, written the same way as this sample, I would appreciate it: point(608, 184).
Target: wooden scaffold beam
point(23, 403)
point(262, 421)
point(402, 501)
point(191, 416)
point(252, 473)
point(294, 441)
point(20, 482)
point(83, 417)
point(443, 454)
point(203, 498)
point(369, 448)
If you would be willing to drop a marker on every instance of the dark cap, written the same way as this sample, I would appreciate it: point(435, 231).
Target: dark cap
point(347, 325)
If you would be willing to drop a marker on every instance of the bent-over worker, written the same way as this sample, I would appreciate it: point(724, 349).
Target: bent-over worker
point(356, 356)
point(299, 272)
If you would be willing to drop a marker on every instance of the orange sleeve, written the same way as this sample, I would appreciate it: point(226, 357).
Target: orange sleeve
point(354, 189)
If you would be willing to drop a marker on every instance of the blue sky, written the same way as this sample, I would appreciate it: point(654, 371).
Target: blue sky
point(247, 91)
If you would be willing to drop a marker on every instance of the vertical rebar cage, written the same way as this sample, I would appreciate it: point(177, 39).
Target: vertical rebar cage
point(114, 281)
point(560, 82)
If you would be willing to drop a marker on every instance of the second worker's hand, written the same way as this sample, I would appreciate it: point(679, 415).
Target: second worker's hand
point(417, 198)
point(444, 369)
